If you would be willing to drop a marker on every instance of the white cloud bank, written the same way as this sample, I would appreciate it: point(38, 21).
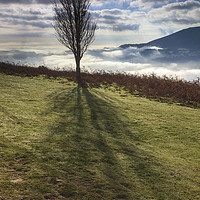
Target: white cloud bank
point(144, 60)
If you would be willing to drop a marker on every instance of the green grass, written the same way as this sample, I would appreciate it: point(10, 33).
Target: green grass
point(61, 142)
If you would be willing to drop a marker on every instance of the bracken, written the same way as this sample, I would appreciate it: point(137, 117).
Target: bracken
point(164, 89)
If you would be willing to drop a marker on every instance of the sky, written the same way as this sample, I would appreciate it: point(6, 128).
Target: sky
point(27, 35)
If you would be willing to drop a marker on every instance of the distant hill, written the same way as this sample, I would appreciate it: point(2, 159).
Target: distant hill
point(184, 39)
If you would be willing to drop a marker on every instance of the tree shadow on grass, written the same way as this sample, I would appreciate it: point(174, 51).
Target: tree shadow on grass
point(100, 152)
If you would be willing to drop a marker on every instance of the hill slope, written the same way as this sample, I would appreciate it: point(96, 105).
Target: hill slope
point(59, 142)
point(186, 39)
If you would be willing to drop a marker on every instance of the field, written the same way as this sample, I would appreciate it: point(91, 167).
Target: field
point(163, 89)
point(58, 141)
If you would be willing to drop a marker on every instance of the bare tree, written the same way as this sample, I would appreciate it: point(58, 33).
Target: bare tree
point(74, 28)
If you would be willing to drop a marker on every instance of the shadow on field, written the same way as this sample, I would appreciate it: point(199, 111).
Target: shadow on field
point(99, 152)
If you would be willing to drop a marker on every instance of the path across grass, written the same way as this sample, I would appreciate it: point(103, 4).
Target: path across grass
point(61, 142)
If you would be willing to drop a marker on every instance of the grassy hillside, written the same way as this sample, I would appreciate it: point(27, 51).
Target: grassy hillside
point(163, 89)
point(61, 142)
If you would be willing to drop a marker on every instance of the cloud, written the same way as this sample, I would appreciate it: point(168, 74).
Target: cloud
point(29, 15)
point(26, 16)
point(190, 4)
point(34, 24)
point(16, 2)
point(148, 4)
point(25, 2)
point(130, 60)
point(23, 35)
point(20, 55)
point(145, 60)
point(115, 19)
point(126, 27)
point(100, 3)
point(178, 13)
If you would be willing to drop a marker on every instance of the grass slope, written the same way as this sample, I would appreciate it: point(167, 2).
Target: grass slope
point(61, 142)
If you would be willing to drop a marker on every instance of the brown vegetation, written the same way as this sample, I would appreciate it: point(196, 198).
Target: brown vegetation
point(151, 86)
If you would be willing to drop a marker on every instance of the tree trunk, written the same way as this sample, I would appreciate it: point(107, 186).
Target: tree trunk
point(78, 71)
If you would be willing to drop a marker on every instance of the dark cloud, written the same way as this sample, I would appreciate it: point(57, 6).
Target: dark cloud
point(21, 56)
point(25, 1)
point(25, 17)
point(119, 27)
point(182, 63)
point(111, 17)
point(38, 24)
point(183, 13)
point(157, 1)
point(154, 1)
point(44, 1)
point(32, 17)
point(177, 20)
point(188, 5)
point(24, 57)
point(178, 56)
point(126, 27)
point(114, 19)
point(22, 35)
point(113, 12)
point(108, 15)
point(16, 1)
point(20, 16)
point(148, 54)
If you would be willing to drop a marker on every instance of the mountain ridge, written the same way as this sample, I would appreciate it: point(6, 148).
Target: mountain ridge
point(184, 39)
